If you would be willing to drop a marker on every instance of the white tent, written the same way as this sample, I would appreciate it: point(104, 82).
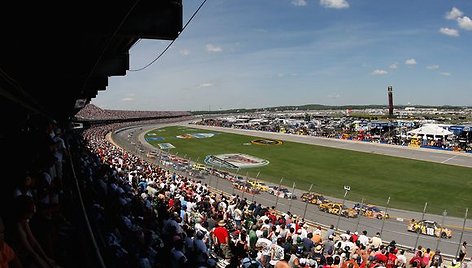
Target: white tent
point(430, 130)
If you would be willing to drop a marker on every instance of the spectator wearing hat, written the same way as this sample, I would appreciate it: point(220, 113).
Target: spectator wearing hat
point(328, 245)
point(354, 237)
point(221, 239)
point(317, 236)
point(318, 255)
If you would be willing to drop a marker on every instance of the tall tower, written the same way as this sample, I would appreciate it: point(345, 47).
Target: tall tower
point(390, 101)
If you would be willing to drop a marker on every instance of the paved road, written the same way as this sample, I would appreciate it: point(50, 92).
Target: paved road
point(392, 229)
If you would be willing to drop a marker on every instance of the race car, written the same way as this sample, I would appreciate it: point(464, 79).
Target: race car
point(371, 211)
point(314, 198)
point(337, 209)
point(261, 186)
point(430, 228)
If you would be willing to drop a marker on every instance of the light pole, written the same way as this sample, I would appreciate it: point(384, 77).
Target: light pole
point(419, 231)
point(253, 194)
point(444, 214)
point(237, 171)
point(359, 213)
point(293, 191)
point(347, 188)
point(384, 216)
point(277, 193)
point(306, 204)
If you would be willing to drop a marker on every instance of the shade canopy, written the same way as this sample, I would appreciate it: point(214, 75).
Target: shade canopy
point(430, 130)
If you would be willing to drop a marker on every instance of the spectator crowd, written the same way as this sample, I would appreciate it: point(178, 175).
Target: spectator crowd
point(146, 216)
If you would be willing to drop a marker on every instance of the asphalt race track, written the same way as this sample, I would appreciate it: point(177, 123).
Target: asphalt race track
point(391, 229)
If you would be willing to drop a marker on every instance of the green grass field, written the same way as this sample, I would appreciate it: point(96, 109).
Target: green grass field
point(409, 183)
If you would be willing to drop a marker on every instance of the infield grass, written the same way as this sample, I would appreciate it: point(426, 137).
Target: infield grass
point(409, 183)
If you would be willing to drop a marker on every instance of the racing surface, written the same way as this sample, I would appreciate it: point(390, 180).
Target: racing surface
point(394, 228)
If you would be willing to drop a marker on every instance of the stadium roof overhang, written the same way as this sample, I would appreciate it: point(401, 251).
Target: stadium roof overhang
point(56, 56)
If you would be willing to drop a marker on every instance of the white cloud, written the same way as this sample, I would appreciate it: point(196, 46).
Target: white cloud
point(334, 96)
point(449, 31)
point(446, 74)
point(393, 66)
point(379, 72)
point(299, 3)
point(410, 61)
point(432, 67)
point(338, 4)
point(213, 48)
point(205, 85)
point(454, 14)
point(465, 23)
point(127, 99)
point(184, 52)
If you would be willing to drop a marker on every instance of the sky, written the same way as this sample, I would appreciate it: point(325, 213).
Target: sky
point(265, 53)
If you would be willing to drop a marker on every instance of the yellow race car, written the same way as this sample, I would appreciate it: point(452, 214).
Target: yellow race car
point(338, 209)
point(371, 211)
point(430, 228)
point(259, 186)
point(314, 198)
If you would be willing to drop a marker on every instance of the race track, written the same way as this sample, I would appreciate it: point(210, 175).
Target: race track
point(391, 229)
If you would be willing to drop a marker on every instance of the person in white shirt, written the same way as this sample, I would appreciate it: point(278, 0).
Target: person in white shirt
point(376, 241)
point(264, 245)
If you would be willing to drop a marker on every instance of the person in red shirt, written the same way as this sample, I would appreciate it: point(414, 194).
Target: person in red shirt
point(381, 257)
point(354, 237)
point(417, 260)
point(391, 258)
point(221, 238)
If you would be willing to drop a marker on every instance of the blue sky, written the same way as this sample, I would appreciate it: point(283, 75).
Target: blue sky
point(260, 53)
